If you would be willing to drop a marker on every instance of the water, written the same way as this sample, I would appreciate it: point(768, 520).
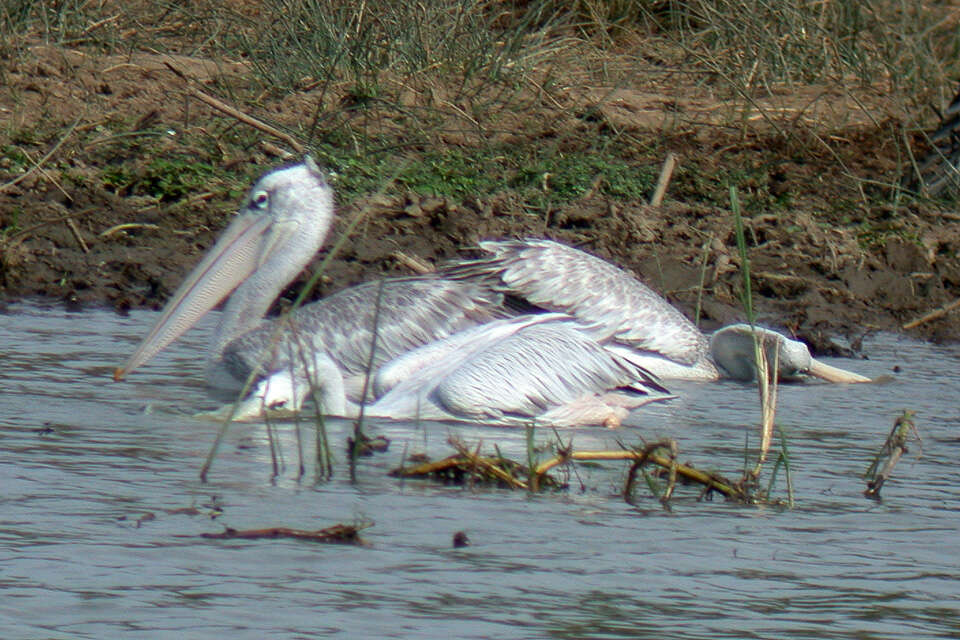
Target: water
point(101, 510)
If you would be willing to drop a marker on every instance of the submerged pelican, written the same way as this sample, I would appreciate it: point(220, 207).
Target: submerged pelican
point(633, 320)
point(548, 368)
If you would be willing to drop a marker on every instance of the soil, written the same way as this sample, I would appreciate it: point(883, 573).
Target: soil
point(818, 271)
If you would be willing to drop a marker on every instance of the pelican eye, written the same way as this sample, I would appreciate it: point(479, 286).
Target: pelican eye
point(260, 199)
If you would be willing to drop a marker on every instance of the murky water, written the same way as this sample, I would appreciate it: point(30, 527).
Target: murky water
point(101, 510)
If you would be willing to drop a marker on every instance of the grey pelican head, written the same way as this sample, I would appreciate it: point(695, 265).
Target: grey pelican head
point(282, 223)
point(732, 349)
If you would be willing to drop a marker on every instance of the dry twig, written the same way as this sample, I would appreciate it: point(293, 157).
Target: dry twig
point(710, 481)
point(469, 463)
point(338, 533)
point(664, 180)
point(76, 235)
point(669, 445)
point(233, 112)
point(933, 315)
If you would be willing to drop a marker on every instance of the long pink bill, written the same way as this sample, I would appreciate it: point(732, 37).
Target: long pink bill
point(232, 260)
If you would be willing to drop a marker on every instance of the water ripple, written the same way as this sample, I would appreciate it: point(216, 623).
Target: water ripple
point(102, 511)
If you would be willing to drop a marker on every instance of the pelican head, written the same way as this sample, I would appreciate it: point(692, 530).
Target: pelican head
point(732, 349)
point(283, 221)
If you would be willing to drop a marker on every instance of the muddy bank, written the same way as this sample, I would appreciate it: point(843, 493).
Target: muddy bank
point(811, 279)
point(74, 233)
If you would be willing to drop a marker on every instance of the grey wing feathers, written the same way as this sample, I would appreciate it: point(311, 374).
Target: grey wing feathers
point(412, 312)
point(539, 367)
point(560, 278)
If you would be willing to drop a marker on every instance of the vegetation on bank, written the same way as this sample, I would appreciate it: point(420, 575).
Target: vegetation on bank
point(467, 99)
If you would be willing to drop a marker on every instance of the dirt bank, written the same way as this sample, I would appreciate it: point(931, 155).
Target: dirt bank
point(83, 133)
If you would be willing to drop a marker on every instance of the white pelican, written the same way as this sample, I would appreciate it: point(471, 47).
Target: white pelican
point(633, 320)
point(545, 367)
point(541, 368)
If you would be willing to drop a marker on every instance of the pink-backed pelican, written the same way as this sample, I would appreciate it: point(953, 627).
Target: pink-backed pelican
point(632, 319)
point(546, 368)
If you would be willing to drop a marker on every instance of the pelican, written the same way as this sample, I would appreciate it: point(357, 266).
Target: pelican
point(633, 320)
point(547, 368)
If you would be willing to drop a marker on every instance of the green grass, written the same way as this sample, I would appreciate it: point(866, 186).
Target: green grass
point(571, 175)
point(164, 179)
point(874, 234)
point(328, 40)
point(469, 172)
point(10, 222)
point(13, 159)
point(380, 84)
point(743, 44)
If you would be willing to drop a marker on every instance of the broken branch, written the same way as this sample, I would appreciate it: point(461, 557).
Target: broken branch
point(933, 315)
point(682, 470)
point(664, 180)
point(338, 533)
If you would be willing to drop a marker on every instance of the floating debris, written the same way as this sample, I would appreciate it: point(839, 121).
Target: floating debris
point(469, 467)
point(367, 446)
point(893, 449)
point(653, 453)
point(337, 534)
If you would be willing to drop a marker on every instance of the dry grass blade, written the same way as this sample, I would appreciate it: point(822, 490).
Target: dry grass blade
point(358, 435)
point(128, 226)
point(768, 387)
point(37, 166)
point(415, 264)
point(233, 112)
point(767, 375)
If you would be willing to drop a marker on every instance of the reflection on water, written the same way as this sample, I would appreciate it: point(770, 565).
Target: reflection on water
point(102, 507)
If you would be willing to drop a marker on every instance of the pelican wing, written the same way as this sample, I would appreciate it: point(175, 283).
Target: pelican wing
point(404, 384)
point(559, 278)
point(536, 369)
point(404, 313)
point(422, 367)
